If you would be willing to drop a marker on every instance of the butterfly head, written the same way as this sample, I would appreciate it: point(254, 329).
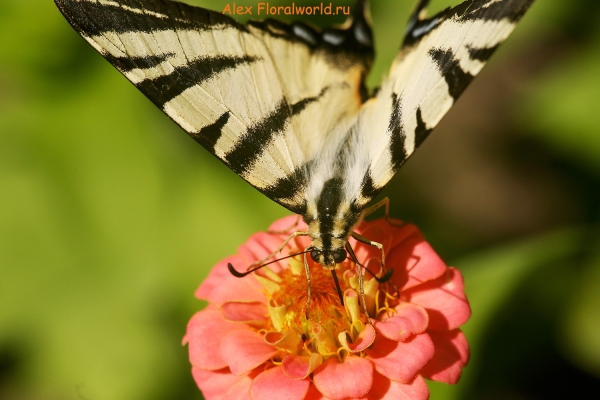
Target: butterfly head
point(328, 246)
point(328, 257)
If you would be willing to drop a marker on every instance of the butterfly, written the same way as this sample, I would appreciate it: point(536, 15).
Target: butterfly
point(285, 106)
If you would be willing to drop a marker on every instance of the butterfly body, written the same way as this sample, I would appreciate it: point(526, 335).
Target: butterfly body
point(284, 105)
point(330, 220)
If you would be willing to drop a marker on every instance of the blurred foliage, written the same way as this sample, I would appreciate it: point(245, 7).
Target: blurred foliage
point(569, 126)
point(110, 216)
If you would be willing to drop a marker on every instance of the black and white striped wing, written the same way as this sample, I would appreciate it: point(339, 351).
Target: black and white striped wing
point(263, 97)
point(438, 59)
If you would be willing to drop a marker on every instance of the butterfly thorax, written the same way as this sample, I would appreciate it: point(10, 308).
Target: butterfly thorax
point(330, 221)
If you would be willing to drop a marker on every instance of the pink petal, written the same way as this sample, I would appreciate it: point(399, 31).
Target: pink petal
point(381, 230)
point(378, 231)
point(364, 340)
point(451, 355)
point(247, 312)
point(401, 361)
point(414, 262)
point(220, 286)
point(273, 384)
point(261, 245)
point(407, 253)
point(338, 380)
point(204, 333)
point(299, 367)
point(444, 299)
point(384, 389)
point(288, 224)
point(244, 350)
point(401, 234)
point(217, 385)
point(284, 227)
point(314, 394)
point(408, 320)
point(239, 390)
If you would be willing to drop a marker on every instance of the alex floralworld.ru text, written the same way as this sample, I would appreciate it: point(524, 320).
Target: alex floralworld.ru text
point(264, 8)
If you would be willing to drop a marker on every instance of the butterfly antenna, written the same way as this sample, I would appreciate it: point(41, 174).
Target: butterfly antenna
point(239, 274)
point(386, 277)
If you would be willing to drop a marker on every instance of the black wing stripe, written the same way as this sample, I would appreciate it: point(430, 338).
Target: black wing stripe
point(490, 10)
point(285, 191)
point(368, 191)
point(210, 134)
point(126, 64)
point(398, 137)
point(165, 88)
point(421, 132)
point(449, 66)
point(483, 10)
point(256, 138)
point(250, 146)
point(288, 191)
point(481, 54)
point(94, 19)
point(299, 106)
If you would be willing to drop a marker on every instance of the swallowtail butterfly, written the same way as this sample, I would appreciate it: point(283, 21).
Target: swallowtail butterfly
point(284, 105)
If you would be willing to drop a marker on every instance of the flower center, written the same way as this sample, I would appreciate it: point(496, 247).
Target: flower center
point(330, 325)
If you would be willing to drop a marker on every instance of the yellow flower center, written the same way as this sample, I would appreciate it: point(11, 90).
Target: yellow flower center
point(328, 319)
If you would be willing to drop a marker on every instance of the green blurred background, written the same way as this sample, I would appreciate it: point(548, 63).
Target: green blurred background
point(110, 216)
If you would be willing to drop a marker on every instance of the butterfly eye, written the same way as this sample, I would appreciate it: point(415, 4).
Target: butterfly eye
point(314, 254)
point(339, 255)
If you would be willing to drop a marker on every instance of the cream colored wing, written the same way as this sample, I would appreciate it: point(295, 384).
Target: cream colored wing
point(438, 59)
point(264, 98)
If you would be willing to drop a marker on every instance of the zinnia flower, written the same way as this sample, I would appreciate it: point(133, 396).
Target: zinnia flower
point(253, 340)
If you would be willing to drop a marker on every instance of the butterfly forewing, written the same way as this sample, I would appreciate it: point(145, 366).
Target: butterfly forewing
point(439, 58)
point(264, 98)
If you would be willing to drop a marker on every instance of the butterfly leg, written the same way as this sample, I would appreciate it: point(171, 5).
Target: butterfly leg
point(361, 285)
point(387, 274)
point(364, 240)
point(383, 202)
point(307, 269)
point(285, 242)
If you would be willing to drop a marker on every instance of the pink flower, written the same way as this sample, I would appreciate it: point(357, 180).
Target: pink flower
point(253, 340)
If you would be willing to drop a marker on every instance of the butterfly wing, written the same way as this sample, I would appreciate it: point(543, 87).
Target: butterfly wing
point(263, 97)
point(282, 104)
point(438, 59)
